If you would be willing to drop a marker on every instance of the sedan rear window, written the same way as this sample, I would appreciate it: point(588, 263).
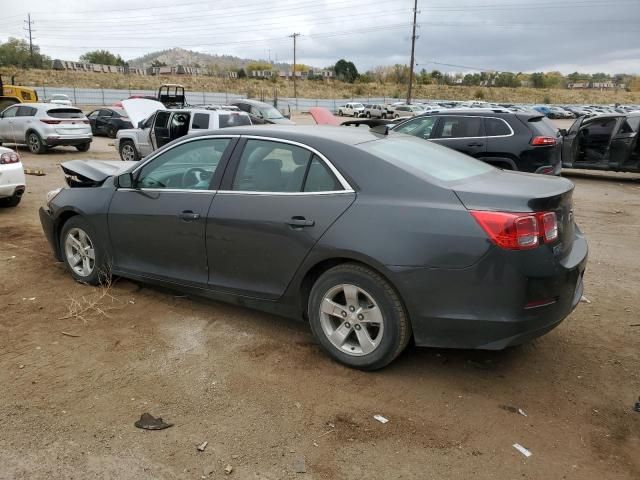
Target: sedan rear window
point(65, 113)
point(424, 158)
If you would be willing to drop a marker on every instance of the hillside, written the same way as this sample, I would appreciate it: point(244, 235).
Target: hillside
point(311, 89)
point(181, 56)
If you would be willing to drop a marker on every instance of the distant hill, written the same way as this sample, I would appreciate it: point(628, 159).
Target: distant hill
point(181, 56)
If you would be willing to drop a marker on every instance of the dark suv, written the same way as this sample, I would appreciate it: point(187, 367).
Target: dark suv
point(524, 141)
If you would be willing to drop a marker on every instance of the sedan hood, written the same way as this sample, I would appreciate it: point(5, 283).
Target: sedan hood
point(281, 121)
point(140, 109)
point(91, 173)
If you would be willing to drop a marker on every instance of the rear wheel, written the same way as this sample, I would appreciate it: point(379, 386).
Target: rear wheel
point(82, 253)
point(35, 143)
point(384, 116)
point(368, 114)
point(128, 151)
point(112, 131)
point(340, 112)
point(83, 147)
point(396, 116)
point(357, 317)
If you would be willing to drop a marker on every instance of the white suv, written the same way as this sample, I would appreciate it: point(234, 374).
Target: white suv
point(44, 125)
point(158, 126)
point(12, 181)
point(351, 109)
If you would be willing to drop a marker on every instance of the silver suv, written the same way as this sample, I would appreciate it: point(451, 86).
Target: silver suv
point(44, 125)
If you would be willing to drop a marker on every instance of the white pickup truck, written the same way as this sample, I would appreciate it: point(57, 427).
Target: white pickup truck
point(351, 109)
point(158, 126)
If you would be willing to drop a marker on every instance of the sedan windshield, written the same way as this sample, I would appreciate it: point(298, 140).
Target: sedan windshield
point(423, 158)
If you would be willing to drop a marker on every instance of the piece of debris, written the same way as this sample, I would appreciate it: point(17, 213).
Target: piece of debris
point(21, 366)
point(30, 299)
point(635, 325)
point(636, 407)
point(34, 171)
point(202, 446)
point(381, 419)
point(9, 258)
point(584, 299)
point(522, 450)
point(315, 444)
point(70, 334)
point(149, 422)
point(298, 405)
point(235, 456)
point(299, 465)
point(511, 409)
point(228, 469)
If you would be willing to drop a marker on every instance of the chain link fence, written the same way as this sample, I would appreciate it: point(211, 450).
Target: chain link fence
point(104, 96)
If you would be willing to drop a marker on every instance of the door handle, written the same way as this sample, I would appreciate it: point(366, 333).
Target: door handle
point(188, 216)
point(300, 222)
point(475, 144)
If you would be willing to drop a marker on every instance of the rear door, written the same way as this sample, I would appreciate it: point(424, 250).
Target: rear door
point(103, 119)
point(623, 153)
point(278, 199)
point(462, 133)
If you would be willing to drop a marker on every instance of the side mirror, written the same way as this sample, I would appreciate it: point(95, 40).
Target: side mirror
point(563, 132)
point(125, 180)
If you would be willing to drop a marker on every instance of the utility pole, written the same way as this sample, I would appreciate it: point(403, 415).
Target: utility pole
point(413, 50)
point(28, 29)
point(295, 86)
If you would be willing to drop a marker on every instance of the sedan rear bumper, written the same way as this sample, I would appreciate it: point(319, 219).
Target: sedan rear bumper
point(497, 302)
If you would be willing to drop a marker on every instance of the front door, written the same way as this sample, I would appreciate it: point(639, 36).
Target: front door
point(464, 134)
point(157, 228)
point(160, 131)
point(7, 126)
point(279, 199)
point(571, 143)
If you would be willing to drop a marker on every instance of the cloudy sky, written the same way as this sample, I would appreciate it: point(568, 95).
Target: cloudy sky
point(454, 35)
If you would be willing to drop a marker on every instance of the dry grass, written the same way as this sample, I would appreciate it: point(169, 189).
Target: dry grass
point(98, 303)
point(317, 89)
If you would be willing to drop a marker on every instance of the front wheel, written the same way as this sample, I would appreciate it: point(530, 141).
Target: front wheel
point(35, 143)
point(396, 116)
point(340, 113)
point(128, 151)
point(82, 253)
point(357, 317)
point(384, 116)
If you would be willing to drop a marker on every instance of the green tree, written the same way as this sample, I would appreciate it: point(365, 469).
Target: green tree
point(242, 73)
point(15, 52)
point(158, 63)
point(345, 71)
point(537, 80)
point(437, 76)
point(102, 57)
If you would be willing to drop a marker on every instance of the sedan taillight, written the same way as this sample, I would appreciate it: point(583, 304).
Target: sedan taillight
point(518, 231)
point(9, 157)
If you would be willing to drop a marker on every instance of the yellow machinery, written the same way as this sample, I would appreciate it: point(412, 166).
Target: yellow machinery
point(11, 94)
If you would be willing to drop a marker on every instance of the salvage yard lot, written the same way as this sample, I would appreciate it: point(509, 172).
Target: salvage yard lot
point(264, 396)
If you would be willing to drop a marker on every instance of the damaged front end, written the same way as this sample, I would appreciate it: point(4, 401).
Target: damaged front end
point(92, 173)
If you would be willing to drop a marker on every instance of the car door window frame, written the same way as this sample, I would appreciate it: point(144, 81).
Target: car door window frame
point(217, 176)
point(234, 163)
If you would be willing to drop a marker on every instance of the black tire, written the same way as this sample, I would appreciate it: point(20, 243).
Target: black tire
point(396, 116)
point(101, 272)
point(112, 131)
point(397, 329)
point(368, 114)
point(35, 143)
point(384, 116)
point(12, 201)
point(125, 145)
point(83, 147)
point(340, 113)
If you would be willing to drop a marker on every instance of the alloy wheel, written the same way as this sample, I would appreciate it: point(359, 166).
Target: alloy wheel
point(128, 153)
point(79, 251)
point(351, 319)
point(34, 143)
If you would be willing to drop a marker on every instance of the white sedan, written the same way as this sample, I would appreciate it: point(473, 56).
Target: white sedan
point(12, 181)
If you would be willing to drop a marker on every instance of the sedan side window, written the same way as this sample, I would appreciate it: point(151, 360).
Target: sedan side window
point(267, 166)
point(93, 114)
point(496, 127)
point(420, 127)
point(188, 166)
point(10, 112)
point(319, 178)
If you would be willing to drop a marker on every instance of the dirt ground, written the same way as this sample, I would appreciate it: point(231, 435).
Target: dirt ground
point(261, 393)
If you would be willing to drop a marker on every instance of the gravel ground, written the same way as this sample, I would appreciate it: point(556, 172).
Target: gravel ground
point(266, 399)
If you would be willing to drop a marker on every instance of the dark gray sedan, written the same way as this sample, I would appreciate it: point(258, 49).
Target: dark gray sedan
point(375, 238)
